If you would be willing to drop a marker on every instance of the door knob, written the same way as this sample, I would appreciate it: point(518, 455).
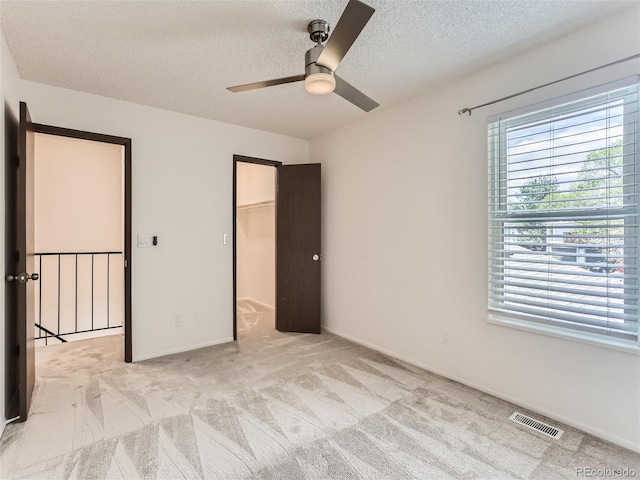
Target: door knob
point(316, 257)
point(22, 277)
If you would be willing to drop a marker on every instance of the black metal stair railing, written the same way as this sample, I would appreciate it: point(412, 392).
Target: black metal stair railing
point(59, 327)
point(49, 334)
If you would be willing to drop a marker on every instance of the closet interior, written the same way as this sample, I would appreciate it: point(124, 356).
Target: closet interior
point(255, 246)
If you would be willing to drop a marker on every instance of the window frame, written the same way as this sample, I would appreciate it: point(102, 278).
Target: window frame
point(499, 215)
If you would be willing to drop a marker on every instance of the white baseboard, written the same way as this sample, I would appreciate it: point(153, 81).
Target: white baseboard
point(517, 401)
point(182, 349)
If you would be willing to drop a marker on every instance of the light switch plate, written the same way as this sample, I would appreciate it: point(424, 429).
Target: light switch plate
point(144, 241)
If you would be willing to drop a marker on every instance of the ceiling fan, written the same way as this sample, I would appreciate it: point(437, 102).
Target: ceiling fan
point(321, 61)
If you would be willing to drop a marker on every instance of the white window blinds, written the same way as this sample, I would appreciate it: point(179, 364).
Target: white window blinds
point(563, 214)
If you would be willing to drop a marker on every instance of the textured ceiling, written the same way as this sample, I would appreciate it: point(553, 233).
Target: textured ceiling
point(181, 55)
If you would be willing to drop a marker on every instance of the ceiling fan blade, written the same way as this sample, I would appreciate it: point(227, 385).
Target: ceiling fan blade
point(355, 96)
point(353, 20)
point(265, 83)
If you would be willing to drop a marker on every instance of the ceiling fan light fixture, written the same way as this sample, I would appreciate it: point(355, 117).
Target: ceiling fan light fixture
point(320, 83)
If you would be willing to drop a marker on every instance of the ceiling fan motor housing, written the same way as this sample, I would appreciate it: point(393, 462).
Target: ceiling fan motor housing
point(310, 59)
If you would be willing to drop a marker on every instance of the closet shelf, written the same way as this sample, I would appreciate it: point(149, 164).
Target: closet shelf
point(249, 206)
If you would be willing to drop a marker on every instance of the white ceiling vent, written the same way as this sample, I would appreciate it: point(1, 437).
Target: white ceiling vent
point(548, 430)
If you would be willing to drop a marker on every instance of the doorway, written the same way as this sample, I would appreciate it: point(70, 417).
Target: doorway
point(20, 316)
point(100, 271)
point(254, 244)
point(296, 216)
point(78, 238)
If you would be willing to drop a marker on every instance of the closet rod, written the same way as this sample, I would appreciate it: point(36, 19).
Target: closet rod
point(469, 110)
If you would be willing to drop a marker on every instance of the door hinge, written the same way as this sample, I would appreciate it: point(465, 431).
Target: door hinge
point(17, 256)
point(126, 263)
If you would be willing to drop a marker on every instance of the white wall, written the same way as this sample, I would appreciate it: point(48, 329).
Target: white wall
point(79, 200)
point(182, 192)
point(255, 183)
point(256, 234)
point(405, 240)
point(9, 99)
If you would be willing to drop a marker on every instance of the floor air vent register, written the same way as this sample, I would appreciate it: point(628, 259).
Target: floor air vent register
point(536, 425)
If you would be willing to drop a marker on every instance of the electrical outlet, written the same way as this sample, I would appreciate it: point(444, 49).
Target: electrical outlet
point(179, 320)
point(444, 337)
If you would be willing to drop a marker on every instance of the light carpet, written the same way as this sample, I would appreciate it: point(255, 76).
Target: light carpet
point(275, 406)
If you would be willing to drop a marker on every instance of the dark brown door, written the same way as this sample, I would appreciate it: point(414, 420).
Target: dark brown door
point(12, 374)
point(298, 248)
point(19, 290)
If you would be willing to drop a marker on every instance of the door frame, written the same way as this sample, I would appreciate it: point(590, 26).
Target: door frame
point(126, 143)
point(257, 161)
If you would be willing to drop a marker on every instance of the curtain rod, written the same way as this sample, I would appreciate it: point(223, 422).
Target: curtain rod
point(469, 110)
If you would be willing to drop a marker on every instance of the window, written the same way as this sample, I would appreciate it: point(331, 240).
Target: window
point(563, 214)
